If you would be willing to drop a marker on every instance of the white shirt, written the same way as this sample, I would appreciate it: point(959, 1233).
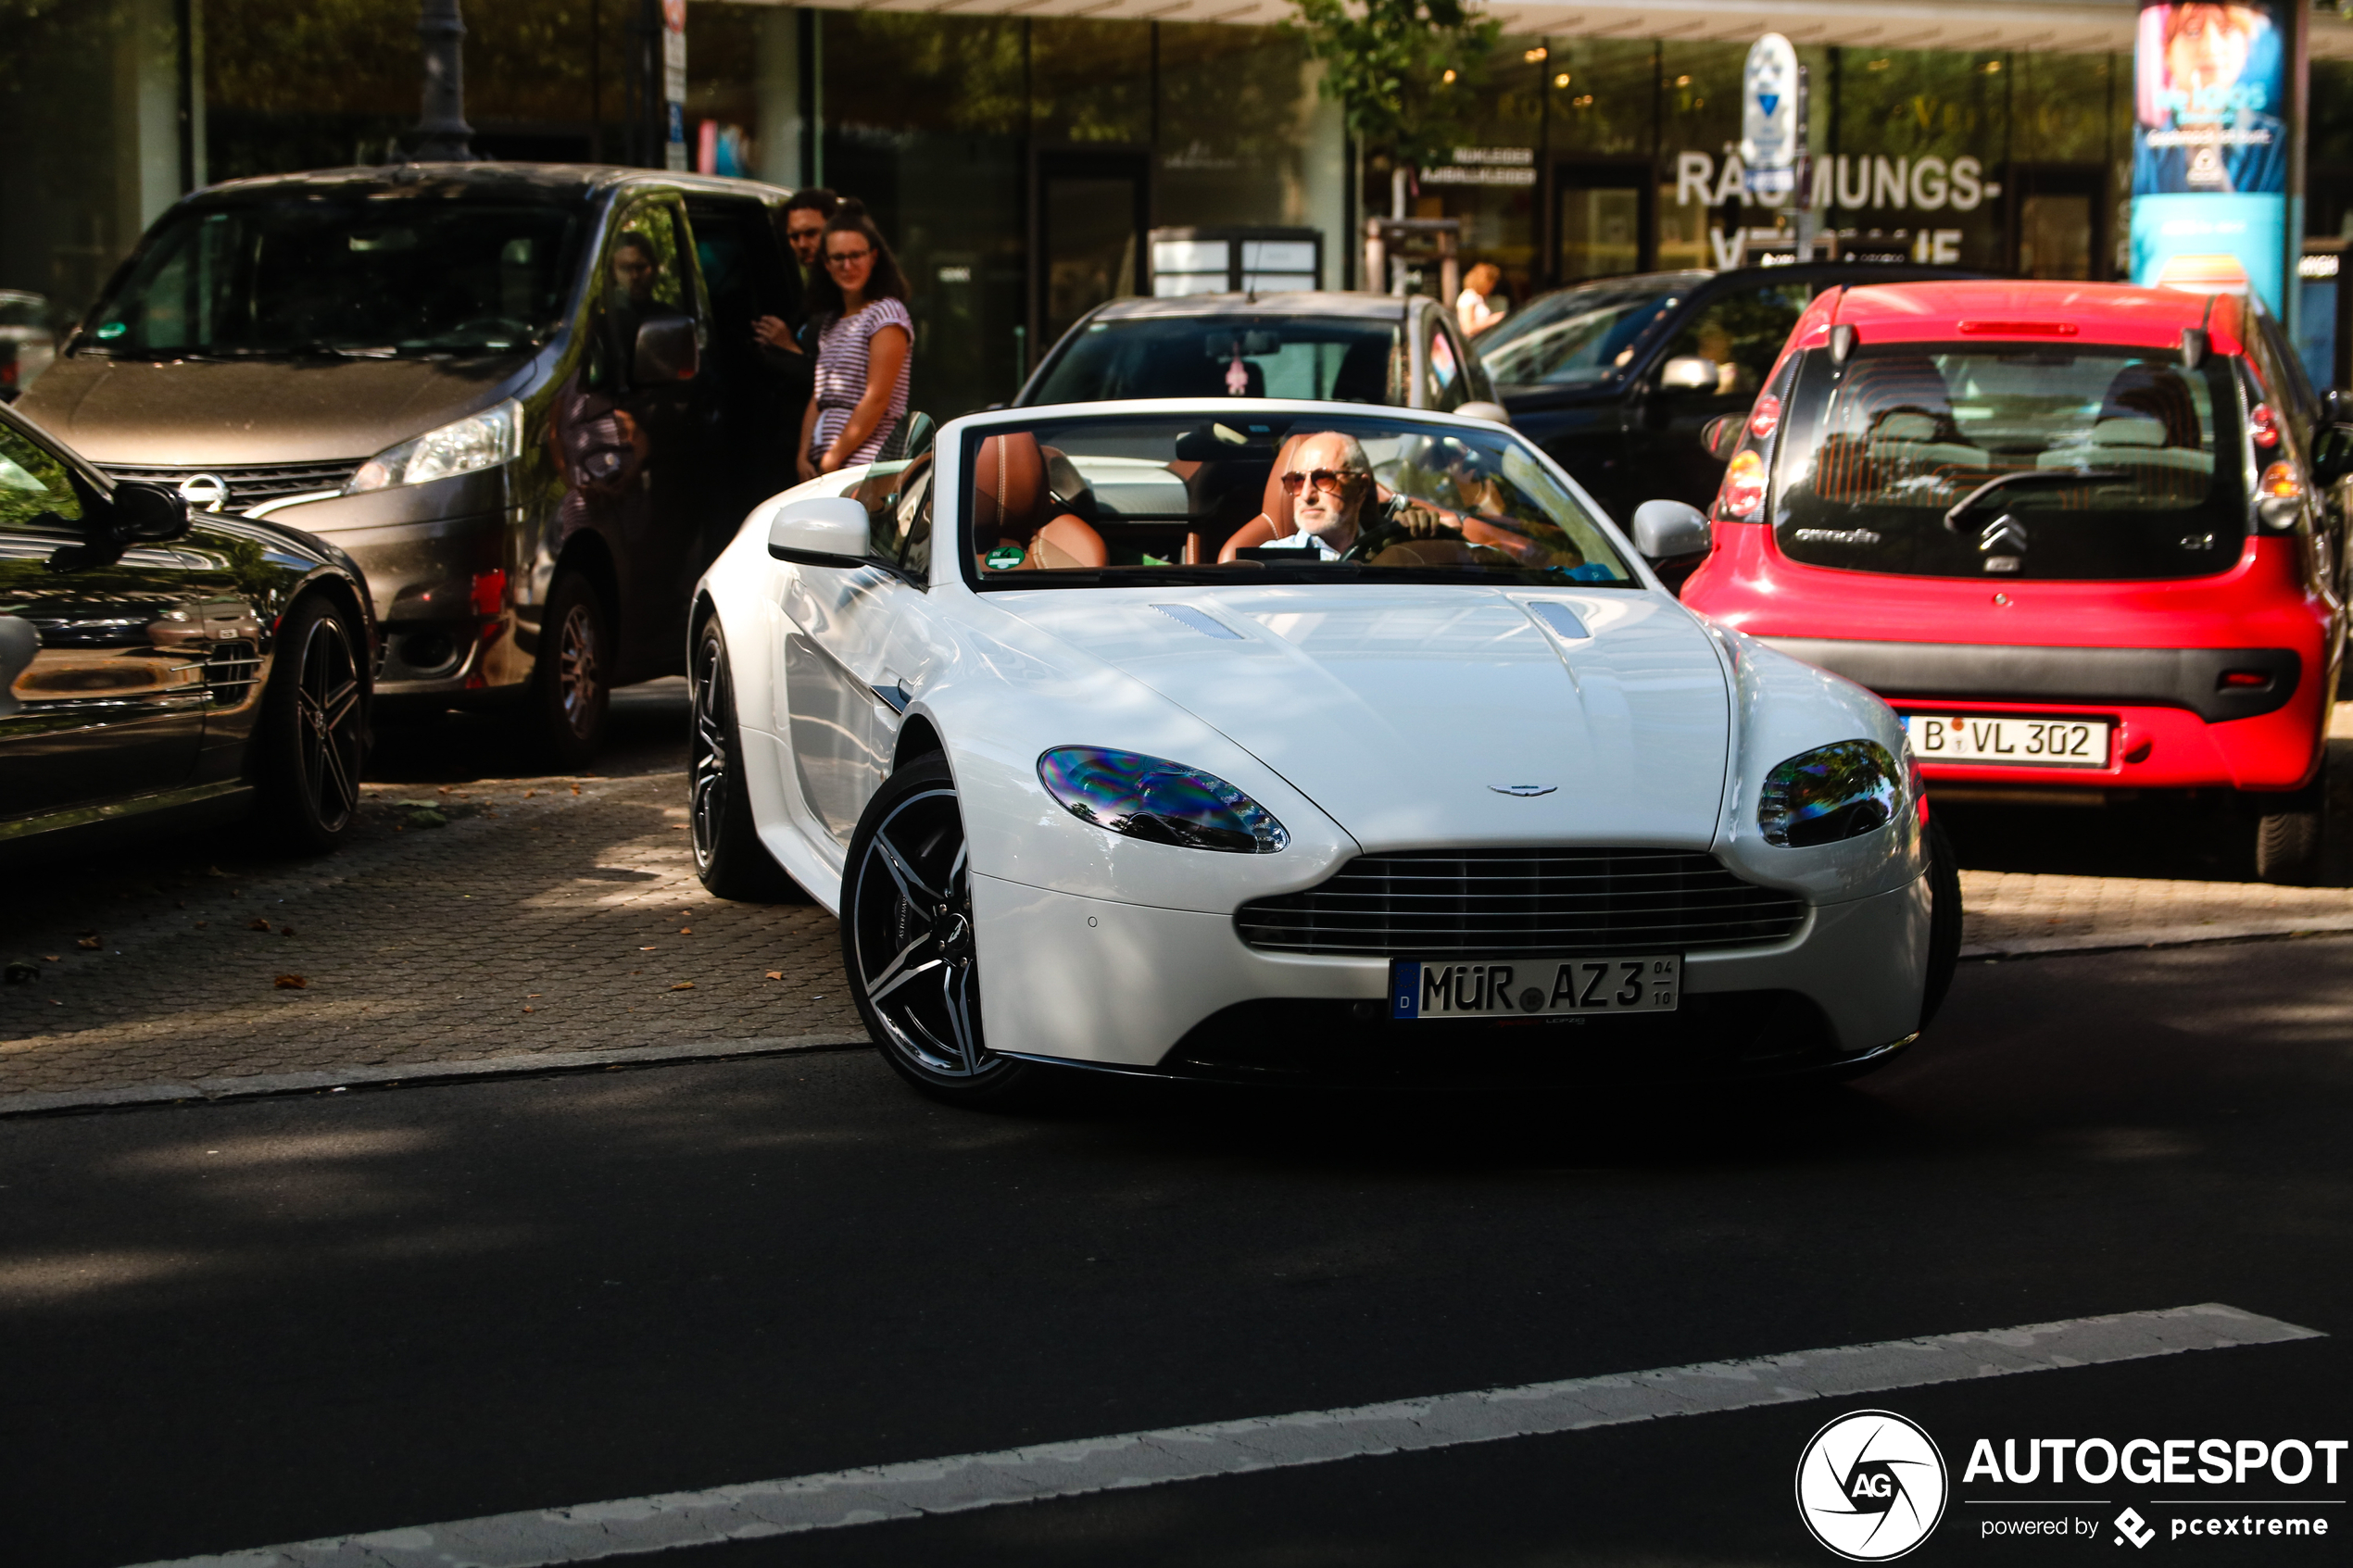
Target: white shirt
point(1472, 310)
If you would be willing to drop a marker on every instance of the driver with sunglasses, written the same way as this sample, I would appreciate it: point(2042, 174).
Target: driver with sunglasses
point(1342, 513)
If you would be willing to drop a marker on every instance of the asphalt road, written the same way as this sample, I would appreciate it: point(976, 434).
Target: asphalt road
point(233, 1325)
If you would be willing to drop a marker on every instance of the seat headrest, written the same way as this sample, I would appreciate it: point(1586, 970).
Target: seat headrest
point(2129, 431)
point(1009, 483)
point(1275, 504)
point(1904, 427)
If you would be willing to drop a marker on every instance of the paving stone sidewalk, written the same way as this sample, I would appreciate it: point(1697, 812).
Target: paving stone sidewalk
point(557, 924)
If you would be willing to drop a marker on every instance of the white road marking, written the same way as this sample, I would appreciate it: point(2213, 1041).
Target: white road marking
point(586, 1532)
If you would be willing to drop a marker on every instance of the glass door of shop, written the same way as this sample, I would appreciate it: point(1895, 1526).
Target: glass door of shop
point(1603, 220)
point(1093, 207)
point(2059, 222)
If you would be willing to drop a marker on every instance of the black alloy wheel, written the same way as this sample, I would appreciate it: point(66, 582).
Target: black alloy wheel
point(314, 729)
point(729, 858)
point(907, 942)
point(571, 683)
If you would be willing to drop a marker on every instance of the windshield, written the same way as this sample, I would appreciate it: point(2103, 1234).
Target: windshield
point(2073, 462)
point(1581, 335)
point(1320, 358)
point(369, 275)
point(1111, 500)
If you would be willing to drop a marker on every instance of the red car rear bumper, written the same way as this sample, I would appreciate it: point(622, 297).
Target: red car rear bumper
point(2259, 606)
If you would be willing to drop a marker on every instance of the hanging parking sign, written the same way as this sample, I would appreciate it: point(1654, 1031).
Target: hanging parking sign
point(1770, 144)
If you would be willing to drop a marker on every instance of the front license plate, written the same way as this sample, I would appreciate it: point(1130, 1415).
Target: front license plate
point(2008, 742)
point(1533, 987)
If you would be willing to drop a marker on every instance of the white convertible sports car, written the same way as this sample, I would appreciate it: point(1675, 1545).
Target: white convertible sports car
point(1267, 740)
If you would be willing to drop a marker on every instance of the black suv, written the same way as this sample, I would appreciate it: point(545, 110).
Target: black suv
point(1616, 378)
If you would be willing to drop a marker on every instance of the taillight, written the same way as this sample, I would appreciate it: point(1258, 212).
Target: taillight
point(2279, 482)
point(1765, 416)
point(490, 592)
point(1742, 496)
point(2263, 426)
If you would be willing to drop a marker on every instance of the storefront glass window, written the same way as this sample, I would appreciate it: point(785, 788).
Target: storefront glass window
point(924, 119)
point(1699, 115)
point(1090, 81)
point(1234, 102)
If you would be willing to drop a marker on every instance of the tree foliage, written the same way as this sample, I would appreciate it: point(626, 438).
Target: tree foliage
point(1406, 71)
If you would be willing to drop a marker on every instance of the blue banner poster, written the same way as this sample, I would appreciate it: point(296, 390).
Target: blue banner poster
point(2211, 149)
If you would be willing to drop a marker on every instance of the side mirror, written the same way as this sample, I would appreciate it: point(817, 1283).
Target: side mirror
point(1688, 372)
point(1494, 412)
point(1721, 436)
point(148, 514)
point(667, 351)
point(1665, 529)
point(821, 530)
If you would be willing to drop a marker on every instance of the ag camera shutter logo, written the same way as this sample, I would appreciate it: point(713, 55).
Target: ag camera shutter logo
point(1871, 1485)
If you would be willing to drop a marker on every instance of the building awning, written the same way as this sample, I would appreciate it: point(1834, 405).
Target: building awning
point(2081, 27)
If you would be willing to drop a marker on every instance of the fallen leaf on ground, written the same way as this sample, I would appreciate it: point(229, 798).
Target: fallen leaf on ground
point(775, 974)
point(88, 941)
point(444, 789)
point(285, 931)
point(256, 923)
point(576, 789)
point(529, 793)
point(685, 931)
point(49, 957)
point(293, 982)
point(201, 924)
point(683, 985)
point(645, 949)
point(535, 996)
point(530, 1010)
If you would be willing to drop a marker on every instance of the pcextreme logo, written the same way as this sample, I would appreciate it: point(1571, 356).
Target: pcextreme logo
point(1870, 1486)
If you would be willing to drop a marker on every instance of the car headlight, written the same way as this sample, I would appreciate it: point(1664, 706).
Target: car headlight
point(1830, 794)
point(468, 446)
point(1165, 802)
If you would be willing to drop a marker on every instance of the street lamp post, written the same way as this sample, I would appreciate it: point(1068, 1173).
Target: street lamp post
point(442, 133)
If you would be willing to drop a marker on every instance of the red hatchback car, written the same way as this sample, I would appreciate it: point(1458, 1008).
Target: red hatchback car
point(2077, 534)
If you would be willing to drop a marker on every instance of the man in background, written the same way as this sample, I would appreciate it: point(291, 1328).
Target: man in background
point(788, 347)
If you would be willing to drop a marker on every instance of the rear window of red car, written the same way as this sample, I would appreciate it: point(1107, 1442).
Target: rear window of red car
point(2111, 462)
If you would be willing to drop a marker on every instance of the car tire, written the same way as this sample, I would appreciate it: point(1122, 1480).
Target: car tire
point(729, 858)
point(1943, 921)
point(311, 740)
point(570, 688)
point(2289, 845)
point(906, 914)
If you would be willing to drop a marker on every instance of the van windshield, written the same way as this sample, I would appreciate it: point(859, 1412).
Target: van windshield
point(1326, 359)
point(364, 275)
point(2013, 461)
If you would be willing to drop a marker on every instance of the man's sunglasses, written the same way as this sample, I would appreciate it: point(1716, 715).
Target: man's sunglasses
point(1324, 479)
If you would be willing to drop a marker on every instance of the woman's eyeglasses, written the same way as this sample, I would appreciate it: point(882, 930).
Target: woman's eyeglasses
point(1324, 479)
point(847, 257)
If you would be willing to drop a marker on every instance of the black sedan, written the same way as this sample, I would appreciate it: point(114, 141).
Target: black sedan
point(1616, 378)
point(157, 663)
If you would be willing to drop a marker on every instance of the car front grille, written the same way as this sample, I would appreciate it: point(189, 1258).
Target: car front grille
point(1505, 903)
point(251, 485)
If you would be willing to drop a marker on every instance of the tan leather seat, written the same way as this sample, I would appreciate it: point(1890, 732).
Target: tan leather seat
point(1013, 506)
point(1274, 519)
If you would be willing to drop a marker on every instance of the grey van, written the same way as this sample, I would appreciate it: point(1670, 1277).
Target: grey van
point(525, 399)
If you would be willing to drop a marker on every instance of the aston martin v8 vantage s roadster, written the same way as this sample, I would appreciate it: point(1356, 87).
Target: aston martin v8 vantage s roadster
point(1268, 740)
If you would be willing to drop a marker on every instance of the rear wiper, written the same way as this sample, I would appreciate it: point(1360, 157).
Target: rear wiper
point(2037, 477)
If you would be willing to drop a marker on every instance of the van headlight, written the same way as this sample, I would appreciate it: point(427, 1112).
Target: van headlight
point(468, 446)
point(1832, 793)
point(1165, 802)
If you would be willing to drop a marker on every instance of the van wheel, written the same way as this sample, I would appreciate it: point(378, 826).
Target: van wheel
point(313, 738)
point(729, 858)
point(571, 690)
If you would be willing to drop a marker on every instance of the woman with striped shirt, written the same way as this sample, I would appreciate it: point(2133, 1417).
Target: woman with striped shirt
point(862, 342)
